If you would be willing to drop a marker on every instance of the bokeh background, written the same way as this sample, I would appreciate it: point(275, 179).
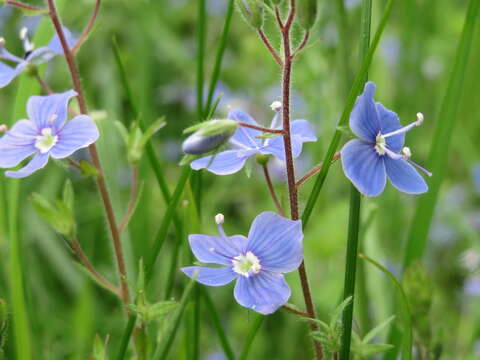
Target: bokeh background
point(157, 40)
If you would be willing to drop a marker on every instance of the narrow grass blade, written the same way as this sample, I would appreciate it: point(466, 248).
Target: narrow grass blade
point(438, 157)
point(355, 90)
point(405, 313)
point(257, 323)
point(127, 333)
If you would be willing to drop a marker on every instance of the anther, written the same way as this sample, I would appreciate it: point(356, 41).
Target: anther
point(2, 41)
point(219, 219)
point(419, 118)
point(3, 128)
point(23, 33)
point(407, 152)
point(276, 106)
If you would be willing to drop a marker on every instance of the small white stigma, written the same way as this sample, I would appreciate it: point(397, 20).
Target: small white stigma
point(46, 140)
point(407, 152)
point(219, 219)
point(419, 118)
point(276, 106)
point(3, 128)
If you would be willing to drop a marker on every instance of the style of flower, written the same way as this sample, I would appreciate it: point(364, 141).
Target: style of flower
point(46, 134)
point(245, 143)
point(273, 247)
point(32, 56)
point(369, 160)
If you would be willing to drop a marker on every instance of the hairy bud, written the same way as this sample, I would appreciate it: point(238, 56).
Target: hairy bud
point(208, 136)
point(252, 12)
point(307, 13)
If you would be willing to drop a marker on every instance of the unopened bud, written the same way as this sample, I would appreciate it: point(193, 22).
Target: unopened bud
point(307, 13)
point(219, 219)
point(252, 12)
point(262, 159)
point(276, 106)
point(209, 136)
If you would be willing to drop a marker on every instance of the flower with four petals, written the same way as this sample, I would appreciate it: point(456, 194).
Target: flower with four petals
point(379, 151)
point(46, 134)
point(273, 247)
point(245, 143)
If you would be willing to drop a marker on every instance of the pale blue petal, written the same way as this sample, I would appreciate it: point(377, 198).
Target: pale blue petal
point(404, 176)
point(364, 167)
point(263, 293)
point(301, 132)
point(276, 241)
point(244, 136)
point(216, 249)
point(8, 73)
point(55, 45)
point(38, 161)
point(224, 163)
point(77, 133)
point(210, 276)
point(389, 122)
point(364, 120)
point(50, 110)
point(17, 144)
point(274, 146)
point(7, 55)
point(40, 55)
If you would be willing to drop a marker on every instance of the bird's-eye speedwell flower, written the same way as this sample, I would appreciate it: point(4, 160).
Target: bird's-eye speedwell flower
point(273, 247)
point(46, 134)
point(32, 56)
point(379, 152)
point(245, 144)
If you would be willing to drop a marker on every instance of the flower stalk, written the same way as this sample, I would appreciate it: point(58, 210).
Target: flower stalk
point(72, 66)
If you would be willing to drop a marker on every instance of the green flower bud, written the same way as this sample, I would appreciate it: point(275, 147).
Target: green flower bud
point(262, 159)
point(252, 12)
point(307, 13)
point(208, 136)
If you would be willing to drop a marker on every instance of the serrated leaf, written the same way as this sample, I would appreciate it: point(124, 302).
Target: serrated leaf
point(161, 309)
point(152, 130)
point(377, 329)
point(123, 131)
point(99, 349)
point(337, 313)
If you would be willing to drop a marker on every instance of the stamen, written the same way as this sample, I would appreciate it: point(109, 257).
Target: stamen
point(407, 152)
point(2, 41)
point(394, 155)
point(428, 173)
point(219, 220)
point(404, 129)
point(3, 128)
point(27, 45)
point(276, 106)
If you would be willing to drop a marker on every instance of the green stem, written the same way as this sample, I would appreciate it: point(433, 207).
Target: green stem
point(127, 333)
point(251, 336)
point(355, 90)
point(354, 217)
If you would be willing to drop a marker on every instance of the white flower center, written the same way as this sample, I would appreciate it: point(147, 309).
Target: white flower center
point(380, 144)
point(246, 264)
point(45, 141)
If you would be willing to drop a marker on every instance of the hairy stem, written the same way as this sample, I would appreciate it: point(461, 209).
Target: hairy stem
point(292, 189)
point(315, 170)
point(278, 205)
point(88, 29)
point(261, 128)
point(102, 187)
point(91, 269)
point(270, 48)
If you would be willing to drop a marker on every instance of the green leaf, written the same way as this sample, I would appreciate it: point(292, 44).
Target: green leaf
point(152, 130)
point(69, 196)
point(337, 313)
point(99, 349)
point(87, 168)
point(377, 329)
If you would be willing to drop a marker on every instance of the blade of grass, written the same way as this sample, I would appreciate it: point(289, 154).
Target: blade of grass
point(438, 157)
point(355, 205)
point(257, 323)
point(355, 90)
point(217, 325)
point(127, 333)
point(166, 342)
point(405, 313)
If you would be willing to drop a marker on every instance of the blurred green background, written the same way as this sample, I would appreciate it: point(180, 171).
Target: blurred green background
point(157, 40)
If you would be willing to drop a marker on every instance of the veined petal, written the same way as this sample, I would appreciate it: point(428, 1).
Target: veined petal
point(49, 110)
point(38, 161)
point(216, 249)
point(364, 167)
point(210, 276)
point(364, 120)
point(263, 293)
point(224, 163)
point(245, 136)
point(404, 176)
point(77, 133)
point(40, 55)
point(276, 241)
point(8, 73)
point(389, 122)
point(17, 144)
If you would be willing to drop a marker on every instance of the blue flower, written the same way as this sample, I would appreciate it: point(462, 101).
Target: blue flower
point(32, 56)
point(273, 247)
point(46, 134)
point(369, 160)
point(245, 143)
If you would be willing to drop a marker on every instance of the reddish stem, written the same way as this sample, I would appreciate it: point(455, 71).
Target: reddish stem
point(21, 5)
point(296, 312)
point(315, 170)
point(270, 48)
point(306, 36)
point(277, 203)
point(88, 29)
point(102, 187)
point(261, 128)
point(132, 201)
